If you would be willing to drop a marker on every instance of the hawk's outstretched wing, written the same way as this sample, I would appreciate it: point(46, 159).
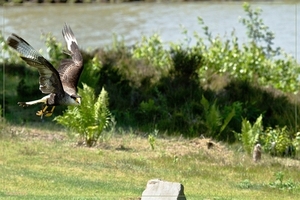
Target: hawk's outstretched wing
point(70, 69)
point(49, 77)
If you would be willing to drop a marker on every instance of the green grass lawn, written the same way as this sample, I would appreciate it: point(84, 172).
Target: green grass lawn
point(46, 163)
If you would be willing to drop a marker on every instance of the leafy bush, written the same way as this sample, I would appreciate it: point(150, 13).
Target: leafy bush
point(275, 141)
point(278, 111)
point(152, 50)
point(91, 73)
point(279, 142)
point(257, 61)
point(90, 118)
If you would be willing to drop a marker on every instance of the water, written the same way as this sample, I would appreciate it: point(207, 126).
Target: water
point(94, 24)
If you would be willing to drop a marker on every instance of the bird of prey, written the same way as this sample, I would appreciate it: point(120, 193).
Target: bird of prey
point(60, 84)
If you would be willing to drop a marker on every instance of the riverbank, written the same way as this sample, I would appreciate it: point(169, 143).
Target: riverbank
point(20, 2)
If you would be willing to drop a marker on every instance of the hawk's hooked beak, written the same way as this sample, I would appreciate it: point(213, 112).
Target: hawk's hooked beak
point(78, 100)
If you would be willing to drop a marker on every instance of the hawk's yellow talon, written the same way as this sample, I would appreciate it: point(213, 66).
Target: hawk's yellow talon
point(47, 114)
point(39, 113)
point(44, 112)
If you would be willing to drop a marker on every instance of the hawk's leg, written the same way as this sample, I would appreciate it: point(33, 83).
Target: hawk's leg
point(44, 111)
point(49, 113)
point(29, 103)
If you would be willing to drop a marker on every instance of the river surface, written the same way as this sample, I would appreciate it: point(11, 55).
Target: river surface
point(95, 24)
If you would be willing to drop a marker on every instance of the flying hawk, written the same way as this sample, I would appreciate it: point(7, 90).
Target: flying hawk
point(60, 84)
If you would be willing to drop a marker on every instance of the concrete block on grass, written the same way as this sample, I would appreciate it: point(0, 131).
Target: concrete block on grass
point(163, 190)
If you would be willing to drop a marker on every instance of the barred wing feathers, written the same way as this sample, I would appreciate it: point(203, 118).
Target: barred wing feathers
point(49, 78)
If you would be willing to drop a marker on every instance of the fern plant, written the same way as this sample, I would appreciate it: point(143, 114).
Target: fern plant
point(90, 118)
point(250, 134)
point(214, 121)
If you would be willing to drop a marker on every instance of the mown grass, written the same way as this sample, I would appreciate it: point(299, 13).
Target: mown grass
point(37, 163)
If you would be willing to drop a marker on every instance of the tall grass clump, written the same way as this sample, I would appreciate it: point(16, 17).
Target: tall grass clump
point(90, 118)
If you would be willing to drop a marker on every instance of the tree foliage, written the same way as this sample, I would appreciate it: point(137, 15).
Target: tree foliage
point(257, 61)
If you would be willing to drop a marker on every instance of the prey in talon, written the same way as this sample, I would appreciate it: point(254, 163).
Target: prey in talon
point(60, 84)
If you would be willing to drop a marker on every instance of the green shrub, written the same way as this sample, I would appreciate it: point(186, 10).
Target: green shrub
point(152, 50)
point(276, 107)
point(256, 61)
point(90, 118)
point(91, 73)
point(279, 142)
point(275, 141)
